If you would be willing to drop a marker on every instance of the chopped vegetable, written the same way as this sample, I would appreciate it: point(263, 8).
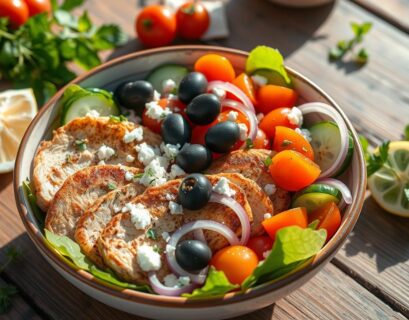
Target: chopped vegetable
point(288, 139)
point(293, 217)
point(329, 218)
point(215, 67)
point(277, 117)
point(245, 84)
point(315, 196)
point(159, 75)
point(261, 245)
point(270, 97)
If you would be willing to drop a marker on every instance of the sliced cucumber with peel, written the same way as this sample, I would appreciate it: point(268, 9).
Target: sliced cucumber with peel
point(326, 143)
point(315, 196)
point(162, 73)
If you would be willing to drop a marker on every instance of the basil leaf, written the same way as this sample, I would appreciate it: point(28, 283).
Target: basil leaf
point(86, 56)
point(68, 5)
point(108, 37)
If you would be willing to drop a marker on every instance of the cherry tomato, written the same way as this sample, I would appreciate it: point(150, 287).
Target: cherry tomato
point(38, 6)
point(270, 97)
point(215, 67)
point(15, 10)
point(199, 133)
point(329, 218)
point(287, 139)
point(261, 141)
point(245, 84)
point(260, 245)
point(192, 20)
point(277, 117)
point(237, 262)
point(292, 171)
point(156, 26)
point(292, 217)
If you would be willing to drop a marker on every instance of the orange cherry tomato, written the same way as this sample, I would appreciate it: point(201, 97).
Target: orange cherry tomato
point(277, 117)
point(287, 139)
point(237, 262)
point(329, 218)
point(38, 6)
point(156, 26)
point(270, 97)
point(15, 10)
point(192, 20)
point(215, 67)
point(260, 245)
point(292, 217)
point(245, 84)
point(293, 171)
point(261, 141)
point(241, 118)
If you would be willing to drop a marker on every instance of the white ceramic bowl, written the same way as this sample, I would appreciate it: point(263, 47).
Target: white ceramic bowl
point(160, 307)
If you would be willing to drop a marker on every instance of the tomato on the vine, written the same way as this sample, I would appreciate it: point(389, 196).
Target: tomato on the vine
point(15, 10)
point(156, 26)
point(38, 6)
point(192, 20)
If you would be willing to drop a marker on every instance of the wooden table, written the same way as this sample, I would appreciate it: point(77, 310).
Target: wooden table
point(369, 277)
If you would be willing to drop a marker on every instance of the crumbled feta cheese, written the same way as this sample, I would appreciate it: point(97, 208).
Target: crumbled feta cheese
point(170, 249)
point(305, 133)
point(155, 111)
point(148, 259)
point(101, 163)
point(270, 189)
point(170, 150)
point(135, 134)
point(183, 281)
point(93, 113)
point(175, 208)
point(232, 116)
point(168, 86)
point(267, 216)
point(128, 176)
point(156, 95)
point(259, 80)
point(295, 116)
point(146, 153)
point(154, 173)
point(166, 236)
point(133, 117)
point(170, 280)
point(219, 93)
point(140, 216)
point(176, 171)
point(243, 131)
point(260, 117)
point(130, 158)
point(266, 253)
point(222, 187)
point(105, 152)
point(170, 196)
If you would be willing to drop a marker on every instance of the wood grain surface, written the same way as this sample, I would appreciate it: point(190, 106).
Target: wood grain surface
point(368, 277)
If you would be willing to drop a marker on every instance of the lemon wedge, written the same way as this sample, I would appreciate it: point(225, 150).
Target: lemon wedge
point(17, 109)
point(389, 184)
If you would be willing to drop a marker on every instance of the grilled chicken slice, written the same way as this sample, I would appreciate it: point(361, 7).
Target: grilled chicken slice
point(95, 219)
point(250, 163)
point(75, 146)
point(79, 192)
point(120, 239)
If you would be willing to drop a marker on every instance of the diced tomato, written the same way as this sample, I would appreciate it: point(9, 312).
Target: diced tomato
point(292, 217)
point(277, 117)
point(215, 67)
point(270, 97)
point(329, 218)
point(245, 84)
point(287, 139)
point(260, 245)
point(199, 133)
point(261, 141)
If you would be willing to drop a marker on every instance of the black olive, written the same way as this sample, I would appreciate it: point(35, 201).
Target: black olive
point(134, 95)
point(203, 109)
point(175, 129)
point(193, 84)
point(193, 255)
point(222, 137)
point(194, 191)
point(194, 158)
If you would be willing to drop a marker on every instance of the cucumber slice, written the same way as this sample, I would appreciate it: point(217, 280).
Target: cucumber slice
point(326, 143)
point(168, 71)
point(273, 77)
point(315, 196)
point(77, 102)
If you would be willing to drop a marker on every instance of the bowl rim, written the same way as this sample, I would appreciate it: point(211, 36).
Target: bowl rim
point(349, 220)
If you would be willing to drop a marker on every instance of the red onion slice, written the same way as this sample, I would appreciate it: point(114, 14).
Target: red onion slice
point(229, 87)
point(161, 289)
point(238, 210)
point(250, 115)
point(325, 109)
point(189, 227)
point(346, 193)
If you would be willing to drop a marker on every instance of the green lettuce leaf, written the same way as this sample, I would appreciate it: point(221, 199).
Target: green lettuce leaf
point(293, 247)
point(216, 284)
point(268, 60)
point(32, 200)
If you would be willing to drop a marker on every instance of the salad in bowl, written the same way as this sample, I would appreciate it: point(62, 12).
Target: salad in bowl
point(194, 181)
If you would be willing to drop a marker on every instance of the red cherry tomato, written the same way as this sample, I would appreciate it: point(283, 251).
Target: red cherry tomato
point(260, 245)
point(261, 141)
point(241, 118)
point(215, 67)
point(38, 6)
point(175, 106)
point(192, 20)
point(15, 10)
point(277, 117)
point(329, 218)
point(270, 97)
point(237, 262)
point(156, 26)
point(199, 133)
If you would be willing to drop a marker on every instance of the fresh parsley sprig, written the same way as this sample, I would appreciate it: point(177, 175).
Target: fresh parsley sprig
point(345, 46)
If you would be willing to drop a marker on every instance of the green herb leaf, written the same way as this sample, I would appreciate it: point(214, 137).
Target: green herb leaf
point(249, 143)
point(117, 119)
point(286, 143)
point(406, 133)
point(111, 186)
point(216, 284)
point(81, 144)
point(84, 23)
point(32, 199)
point(335, 54)
point(362, 56)
point(268, 161)
point(6, 294)
point(377, 160)
point(68, 5)
point(151, 234)
point(292, 247)
point(364, 145)
point(108, 37)
point(86, 56)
